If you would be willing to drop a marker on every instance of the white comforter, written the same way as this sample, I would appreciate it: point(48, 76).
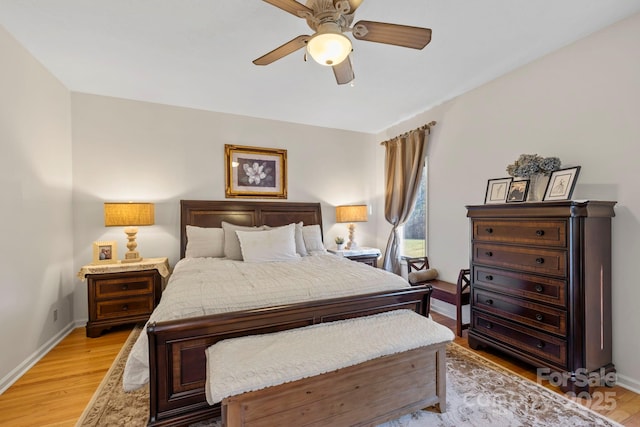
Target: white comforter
point(201, 286)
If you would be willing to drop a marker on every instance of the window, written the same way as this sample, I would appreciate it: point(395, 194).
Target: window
point(414, 233)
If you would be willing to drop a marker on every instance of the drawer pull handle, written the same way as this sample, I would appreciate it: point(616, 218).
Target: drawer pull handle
point(540, 344)
point(125, 307)
point(540, 260)
point(539, 317)
point(489, 302)
point(125, 287)
point(488, 253)
point(539, 288)
point(539, 233)
point(489, 230)
point(489, 325)
point(489, 277)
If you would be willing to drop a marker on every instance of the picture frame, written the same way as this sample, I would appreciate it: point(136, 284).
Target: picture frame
point(255, 172)
point(561, 184)
point(497, 190)
point(518, 190)
point(105, 252)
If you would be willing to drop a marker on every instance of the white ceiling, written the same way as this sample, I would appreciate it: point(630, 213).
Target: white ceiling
point(198, 53)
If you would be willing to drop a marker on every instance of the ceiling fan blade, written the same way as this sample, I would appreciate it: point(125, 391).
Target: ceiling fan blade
point(344, 72)
point(282, 51)
point(291, 6)
point(399, 35)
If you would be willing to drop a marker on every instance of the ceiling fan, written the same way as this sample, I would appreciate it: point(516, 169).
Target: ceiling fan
point(329, 46)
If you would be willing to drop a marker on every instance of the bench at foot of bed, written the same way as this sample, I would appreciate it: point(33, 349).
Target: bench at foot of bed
point(354, 372)
point(369, 393)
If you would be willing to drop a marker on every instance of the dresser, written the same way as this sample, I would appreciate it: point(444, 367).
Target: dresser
point(122, 293)
point(541, 287)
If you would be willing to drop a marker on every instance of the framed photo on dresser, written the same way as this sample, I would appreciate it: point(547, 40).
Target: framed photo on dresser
point(518, 191)
point(497, 190)
point(561, 184)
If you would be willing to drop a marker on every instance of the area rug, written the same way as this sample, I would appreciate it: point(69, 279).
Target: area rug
point(479, 393)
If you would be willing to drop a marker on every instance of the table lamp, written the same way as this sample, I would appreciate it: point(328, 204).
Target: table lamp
point(351, 214)
point(129, 215)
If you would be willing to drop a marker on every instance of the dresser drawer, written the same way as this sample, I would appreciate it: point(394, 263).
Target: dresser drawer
point(521, 338)
point(124, 286)
point(535, 260)
point(530, 232)
point(538, 288)
point(529, 313)
point(123, 308)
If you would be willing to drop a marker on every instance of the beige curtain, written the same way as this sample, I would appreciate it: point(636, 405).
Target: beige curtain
point(404, 165)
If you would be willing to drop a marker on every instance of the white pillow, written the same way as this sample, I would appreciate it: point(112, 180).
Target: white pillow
point(204, 242)
point(231, 243)
point(312, 236)
point(300, 248)
point(276, 244)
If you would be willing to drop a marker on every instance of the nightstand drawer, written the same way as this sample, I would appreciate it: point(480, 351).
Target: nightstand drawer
point(124, 308)
point(541, 233)
point(126, 286)
point(535, 260)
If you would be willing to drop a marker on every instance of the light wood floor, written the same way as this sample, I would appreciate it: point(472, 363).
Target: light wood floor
point(56, 390)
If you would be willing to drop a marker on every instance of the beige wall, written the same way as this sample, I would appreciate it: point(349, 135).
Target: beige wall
point(581, 104)
point(35, 219)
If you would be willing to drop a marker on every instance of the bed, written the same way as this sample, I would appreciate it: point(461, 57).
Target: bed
point(176, 348)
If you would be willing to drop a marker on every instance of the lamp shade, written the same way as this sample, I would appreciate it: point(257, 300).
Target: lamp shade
point(351, 213)
point(128, 214)
point(329, 46)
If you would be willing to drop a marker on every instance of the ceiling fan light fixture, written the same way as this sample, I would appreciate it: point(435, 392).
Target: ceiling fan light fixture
point(329, 46)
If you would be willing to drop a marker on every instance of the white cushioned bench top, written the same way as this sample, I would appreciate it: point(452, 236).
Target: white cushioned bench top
point(243, 364)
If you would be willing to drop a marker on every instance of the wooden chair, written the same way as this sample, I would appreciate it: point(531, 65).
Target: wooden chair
point(457, 294)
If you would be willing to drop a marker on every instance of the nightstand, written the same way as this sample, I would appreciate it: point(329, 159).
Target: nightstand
point(122, 293)
point(365, 255)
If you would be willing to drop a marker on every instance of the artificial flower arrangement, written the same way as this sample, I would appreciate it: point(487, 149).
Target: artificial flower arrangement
point(529, 165)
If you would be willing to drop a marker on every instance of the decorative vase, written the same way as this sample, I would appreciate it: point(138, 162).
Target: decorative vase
point(537, 186)
point(340, 246)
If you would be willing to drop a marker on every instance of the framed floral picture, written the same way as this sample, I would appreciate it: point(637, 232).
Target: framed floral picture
point(255, 172)
point(518, 191)
point(105, 252)
point(561, 184)
point(497, 190)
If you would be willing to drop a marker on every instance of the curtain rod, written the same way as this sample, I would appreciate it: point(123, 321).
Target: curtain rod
point(427, 126)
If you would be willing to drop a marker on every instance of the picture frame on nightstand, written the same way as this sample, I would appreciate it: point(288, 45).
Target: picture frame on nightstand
point(105, 252)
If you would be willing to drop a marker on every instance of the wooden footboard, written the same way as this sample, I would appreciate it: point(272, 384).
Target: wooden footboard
point(177, 348)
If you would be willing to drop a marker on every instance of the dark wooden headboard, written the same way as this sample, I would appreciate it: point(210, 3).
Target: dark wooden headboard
point(211, 213)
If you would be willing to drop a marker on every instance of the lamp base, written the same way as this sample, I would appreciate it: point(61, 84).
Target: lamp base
point(351, 244)
point(132, 256)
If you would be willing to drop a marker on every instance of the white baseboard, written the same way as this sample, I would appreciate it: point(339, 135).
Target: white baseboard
point(449, 310)
point(28, 363)
point(628, 383)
